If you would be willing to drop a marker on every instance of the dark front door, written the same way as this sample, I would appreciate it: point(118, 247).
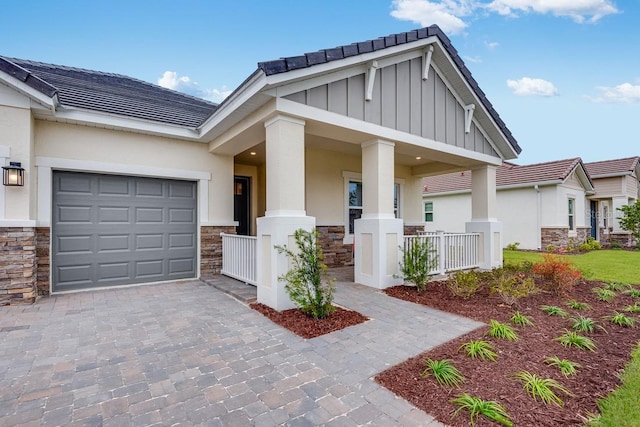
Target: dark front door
point(594, 219)
point(241, 200)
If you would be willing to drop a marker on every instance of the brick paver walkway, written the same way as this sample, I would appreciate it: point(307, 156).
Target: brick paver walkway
point(188, 354)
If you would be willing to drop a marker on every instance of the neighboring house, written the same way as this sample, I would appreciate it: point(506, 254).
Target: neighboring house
point(617, 184)
point(539, 205)
point(127, 183)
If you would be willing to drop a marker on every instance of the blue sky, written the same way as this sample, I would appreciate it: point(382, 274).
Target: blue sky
point(563, 74)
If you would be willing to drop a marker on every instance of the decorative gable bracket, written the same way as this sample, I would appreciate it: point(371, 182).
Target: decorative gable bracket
point(371, 79)
point(468, 117)
point(426, 62)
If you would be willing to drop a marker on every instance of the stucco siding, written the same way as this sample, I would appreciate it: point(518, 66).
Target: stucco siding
point(401, 100)
point(66, 141)
point(518, 212)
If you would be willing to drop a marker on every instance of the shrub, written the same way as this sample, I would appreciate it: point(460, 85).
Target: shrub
point(604, 294)
point(513, 246)
point(558, 272)
point(567, 367)
point(622, 320)
point(444, 372)
point(464, 284)
point(511, 286)
point(630, 219)
point(553, 310)
point(585, 324)
point(476, 407)
point(573, 339)
point(502, 330)
point(635, 308)
point(538, 387)
point(633, 292)
point(576, 305)
point(417, 261)
point(520, 319)
point(479, 349)
point(590, 244)
point(308, 284)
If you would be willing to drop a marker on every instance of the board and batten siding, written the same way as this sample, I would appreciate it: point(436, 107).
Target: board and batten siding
point(403, 101)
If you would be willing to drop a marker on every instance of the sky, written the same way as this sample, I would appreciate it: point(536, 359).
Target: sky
point(564, 75)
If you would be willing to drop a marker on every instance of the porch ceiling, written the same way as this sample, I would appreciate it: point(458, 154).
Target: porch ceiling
point(319, 135)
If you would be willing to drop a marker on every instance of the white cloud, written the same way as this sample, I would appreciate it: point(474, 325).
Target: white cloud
point(578, 10)
point(491, 45)
point(527, 86)
point(623, 93)
point(185, 84)
point(474, 59)
point(445, 13)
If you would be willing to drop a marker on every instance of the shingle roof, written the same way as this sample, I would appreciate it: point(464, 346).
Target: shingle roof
point(612, 167)
point(291, 63)
point(110, 93)
point(506, 175)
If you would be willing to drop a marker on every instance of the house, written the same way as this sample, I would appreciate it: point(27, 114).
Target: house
point(616, 184)
point(128, 183)
point(539, 205)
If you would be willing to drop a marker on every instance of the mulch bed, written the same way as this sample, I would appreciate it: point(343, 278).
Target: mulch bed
point(307, 327)
point(597, 377)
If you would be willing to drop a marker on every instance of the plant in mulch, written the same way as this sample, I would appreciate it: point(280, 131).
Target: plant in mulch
point(559, 273)
point(604, 294)
point(616, 287)
point(308, 284)
point(553, 310)
point(520, 319)
point(511, 285)
point(418, 260)
point(622, 320)
point(443, 371)
point(464, 284)
point(542, 388)
point(577, 305)
point(634, 292)
point(573, 339)
point(502, 331)
point(487, 408)
point(479, 349)
point(585, 324)
point(566, 367)
point(635, 308)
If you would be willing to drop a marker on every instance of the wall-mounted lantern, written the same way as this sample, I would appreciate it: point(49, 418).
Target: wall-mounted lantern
point(13, 175)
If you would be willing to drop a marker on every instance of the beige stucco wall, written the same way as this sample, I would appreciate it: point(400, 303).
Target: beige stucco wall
point(16, 133)
point(76, 142)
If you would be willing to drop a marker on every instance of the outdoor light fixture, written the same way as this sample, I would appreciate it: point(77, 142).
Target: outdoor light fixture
point(13, 175)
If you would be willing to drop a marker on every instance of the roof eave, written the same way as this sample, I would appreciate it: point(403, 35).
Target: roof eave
point(50, 102)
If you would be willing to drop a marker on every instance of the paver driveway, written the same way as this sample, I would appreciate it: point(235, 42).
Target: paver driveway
point(186, 353)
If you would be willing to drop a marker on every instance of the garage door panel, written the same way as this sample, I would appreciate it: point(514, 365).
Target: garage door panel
point(114, 230)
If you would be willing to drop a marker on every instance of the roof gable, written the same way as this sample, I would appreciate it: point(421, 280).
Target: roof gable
point(109, 93)
point(511, 175)
point(327, 56)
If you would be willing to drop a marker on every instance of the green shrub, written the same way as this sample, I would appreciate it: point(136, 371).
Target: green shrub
point(476, 407)
point(558, 272)
point(553, 310)
point(573, 339)
point(590, 244)
point(417, 262)
point(308, 284)
point(585, 324)
point(502, 330)
point(538, 387)
point(513, 246)
point(443, 371)
point(511, 286)
point(464, 284)
point(567, 367)
point(604, 294)
point(520, 319)
point(622, 320)
point(479, 349)
point(576, 305)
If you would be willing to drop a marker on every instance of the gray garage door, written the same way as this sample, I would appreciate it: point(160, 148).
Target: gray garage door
point(113, 230)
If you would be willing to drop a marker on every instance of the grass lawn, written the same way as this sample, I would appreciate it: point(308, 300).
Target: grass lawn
point(607, 265)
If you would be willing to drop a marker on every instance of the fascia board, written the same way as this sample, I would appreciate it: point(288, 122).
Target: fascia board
point(50, 103)
point(502, 187)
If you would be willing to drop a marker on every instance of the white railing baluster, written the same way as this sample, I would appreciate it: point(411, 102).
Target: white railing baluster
point(239, 257)
point(454, 251)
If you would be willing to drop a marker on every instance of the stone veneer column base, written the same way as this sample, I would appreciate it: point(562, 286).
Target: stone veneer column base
point(335, 252)
point(43, 259)
point(556, 237)
point(412, 230)
point(18, 265)
point(211, 249)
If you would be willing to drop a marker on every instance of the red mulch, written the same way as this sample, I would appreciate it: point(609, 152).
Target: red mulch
point(597, 377)
point(307, 327)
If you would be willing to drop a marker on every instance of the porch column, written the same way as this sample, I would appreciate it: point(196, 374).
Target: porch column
point(484, 216)
point(617, 203)
point(378, 234)
point(285, 207)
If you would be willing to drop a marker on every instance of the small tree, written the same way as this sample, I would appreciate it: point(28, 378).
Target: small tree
point(417, 261)
point(630, 219)
point(308, 283)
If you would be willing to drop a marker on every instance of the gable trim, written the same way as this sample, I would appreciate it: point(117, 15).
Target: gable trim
point(49, 102)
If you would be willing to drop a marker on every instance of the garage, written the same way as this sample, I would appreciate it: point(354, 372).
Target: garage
point(110, 230)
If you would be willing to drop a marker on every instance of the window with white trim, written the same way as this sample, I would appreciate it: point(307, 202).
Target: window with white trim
point(605, 216)
point(572, 216)
point(355, 203)
point(428, 211)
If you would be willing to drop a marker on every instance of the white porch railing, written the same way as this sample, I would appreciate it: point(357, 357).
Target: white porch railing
point(239, 257)
point(452, 251)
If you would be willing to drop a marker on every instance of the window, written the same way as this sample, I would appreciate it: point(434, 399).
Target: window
point(428, 211)
point(605, 216)
point(396, 200)
point(572, 203)
point(355, 203)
